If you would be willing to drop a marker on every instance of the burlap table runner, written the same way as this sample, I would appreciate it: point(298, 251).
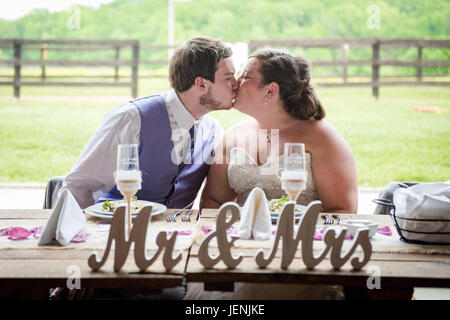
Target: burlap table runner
point(97, 231)
point(380, 243)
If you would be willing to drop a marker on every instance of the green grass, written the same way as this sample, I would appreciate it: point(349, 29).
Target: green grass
point(41, 138)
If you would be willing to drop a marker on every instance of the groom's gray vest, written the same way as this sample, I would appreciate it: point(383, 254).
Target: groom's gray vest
point(163, 180)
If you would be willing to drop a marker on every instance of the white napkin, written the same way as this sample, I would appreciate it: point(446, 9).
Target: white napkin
point(425, 208)
point(255, 217)
point(423, 200)
point(66, 220)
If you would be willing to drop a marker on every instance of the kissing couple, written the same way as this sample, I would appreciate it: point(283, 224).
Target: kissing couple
point(180, 144)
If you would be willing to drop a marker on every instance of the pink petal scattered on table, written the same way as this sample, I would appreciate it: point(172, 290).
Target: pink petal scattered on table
point(385, 231)
point(4, 231)
point(181, 233)
point(318, 234)
point(37, 231)
point(80, 237)
point(18, 233)
point(206, 230)
point(231, 230)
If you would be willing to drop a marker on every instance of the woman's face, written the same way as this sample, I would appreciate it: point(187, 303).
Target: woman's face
point(251, 93)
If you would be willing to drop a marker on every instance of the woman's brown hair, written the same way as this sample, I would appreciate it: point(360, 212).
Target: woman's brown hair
point(293, 76)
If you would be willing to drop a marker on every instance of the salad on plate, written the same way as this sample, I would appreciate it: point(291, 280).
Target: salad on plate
point(110, 206)
point(275, 205)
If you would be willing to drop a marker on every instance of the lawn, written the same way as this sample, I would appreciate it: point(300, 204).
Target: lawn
point(42, 135)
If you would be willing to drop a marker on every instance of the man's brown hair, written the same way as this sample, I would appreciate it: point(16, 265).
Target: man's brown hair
point(198, 57)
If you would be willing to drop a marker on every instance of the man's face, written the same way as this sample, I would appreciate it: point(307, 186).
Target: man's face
point(221, 93)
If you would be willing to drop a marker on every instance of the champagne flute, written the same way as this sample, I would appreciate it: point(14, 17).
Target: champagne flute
point(293, 175)
point(128, 177)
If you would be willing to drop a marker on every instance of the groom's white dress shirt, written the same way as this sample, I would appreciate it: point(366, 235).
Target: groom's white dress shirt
point(92, 173)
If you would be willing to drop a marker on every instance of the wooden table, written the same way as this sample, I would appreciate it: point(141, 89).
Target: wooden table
point(35, 269)
point(399, 272)
point(24, 265)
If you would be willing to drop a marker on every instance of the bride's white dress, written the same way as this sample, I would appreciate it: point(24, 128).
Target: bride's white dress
point(244, 174)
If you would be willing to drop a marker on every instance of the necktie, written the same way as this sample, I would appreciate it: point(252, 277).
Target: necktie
point(191, 150)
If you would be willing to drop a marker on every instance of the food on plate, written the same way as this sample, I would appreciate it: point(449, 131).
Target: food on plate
point(275, 205)
point(110, 206)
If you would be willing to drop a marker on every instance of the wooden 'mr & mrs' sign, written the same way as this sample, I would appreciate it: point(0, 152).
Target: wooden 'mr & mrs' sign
point(285, 232)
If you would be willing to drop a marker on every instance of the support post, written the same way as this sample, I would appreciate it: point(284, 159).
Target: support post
point(375, 69)
point(345, 49)
point(17, 64)
point(43, 58)
point(116, 67)
point(419, 67)
point(135, 70)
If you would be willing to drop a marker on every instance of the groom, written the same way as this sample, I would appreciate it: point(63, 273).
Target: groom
point(175, 135)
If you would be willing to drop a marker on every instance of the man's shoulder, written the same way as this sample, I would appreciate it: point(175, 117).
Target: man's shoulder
point(211, 121)
point(122, 110)
point(148, 99)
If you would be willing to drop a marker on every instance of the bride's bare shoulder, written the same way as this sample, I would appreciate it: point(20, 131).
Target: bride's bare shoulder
point(325, 138)
point(321, 129)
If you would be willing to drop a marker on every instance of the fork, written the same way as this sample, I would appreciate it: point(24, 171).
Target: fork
point(339, 219)
point(186, 216)
point(327, 219)
point(173, 217)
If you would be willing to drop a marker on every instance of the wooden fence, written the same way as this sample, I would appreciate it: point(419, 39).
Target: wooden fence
point(19, 46)
point(375, 62)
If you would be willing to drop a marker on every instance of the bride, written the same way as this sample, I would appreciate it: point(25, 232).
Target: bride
point(275, 90)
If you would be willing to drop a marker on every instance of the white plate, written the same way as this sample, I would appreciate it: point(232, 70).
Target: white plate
point(299, 212)
point(96, 209)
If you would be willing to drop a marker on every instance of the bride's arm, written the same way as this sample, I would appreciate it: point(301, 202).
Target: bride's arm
point(334, 170)
point(217, 190)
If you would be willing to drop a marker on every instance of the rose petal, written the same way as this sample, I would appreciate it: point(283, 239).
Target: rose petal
point(206, 230)
point(318, 234)
point(4, 231)
point(231, 230)
point(185, 232)
point(181, 232)
point(80, 237)
point(385, 231)
point(18, 233)
point(37, 231)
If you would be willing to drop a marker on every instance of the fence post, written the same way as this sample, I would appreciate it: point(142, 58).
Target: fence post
point(375, 68)
point(43, 58)
point(135, 70)
point(251, 47)
point(419, 67)
point(345, 49)
point(116, 75)
point(17, 57)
